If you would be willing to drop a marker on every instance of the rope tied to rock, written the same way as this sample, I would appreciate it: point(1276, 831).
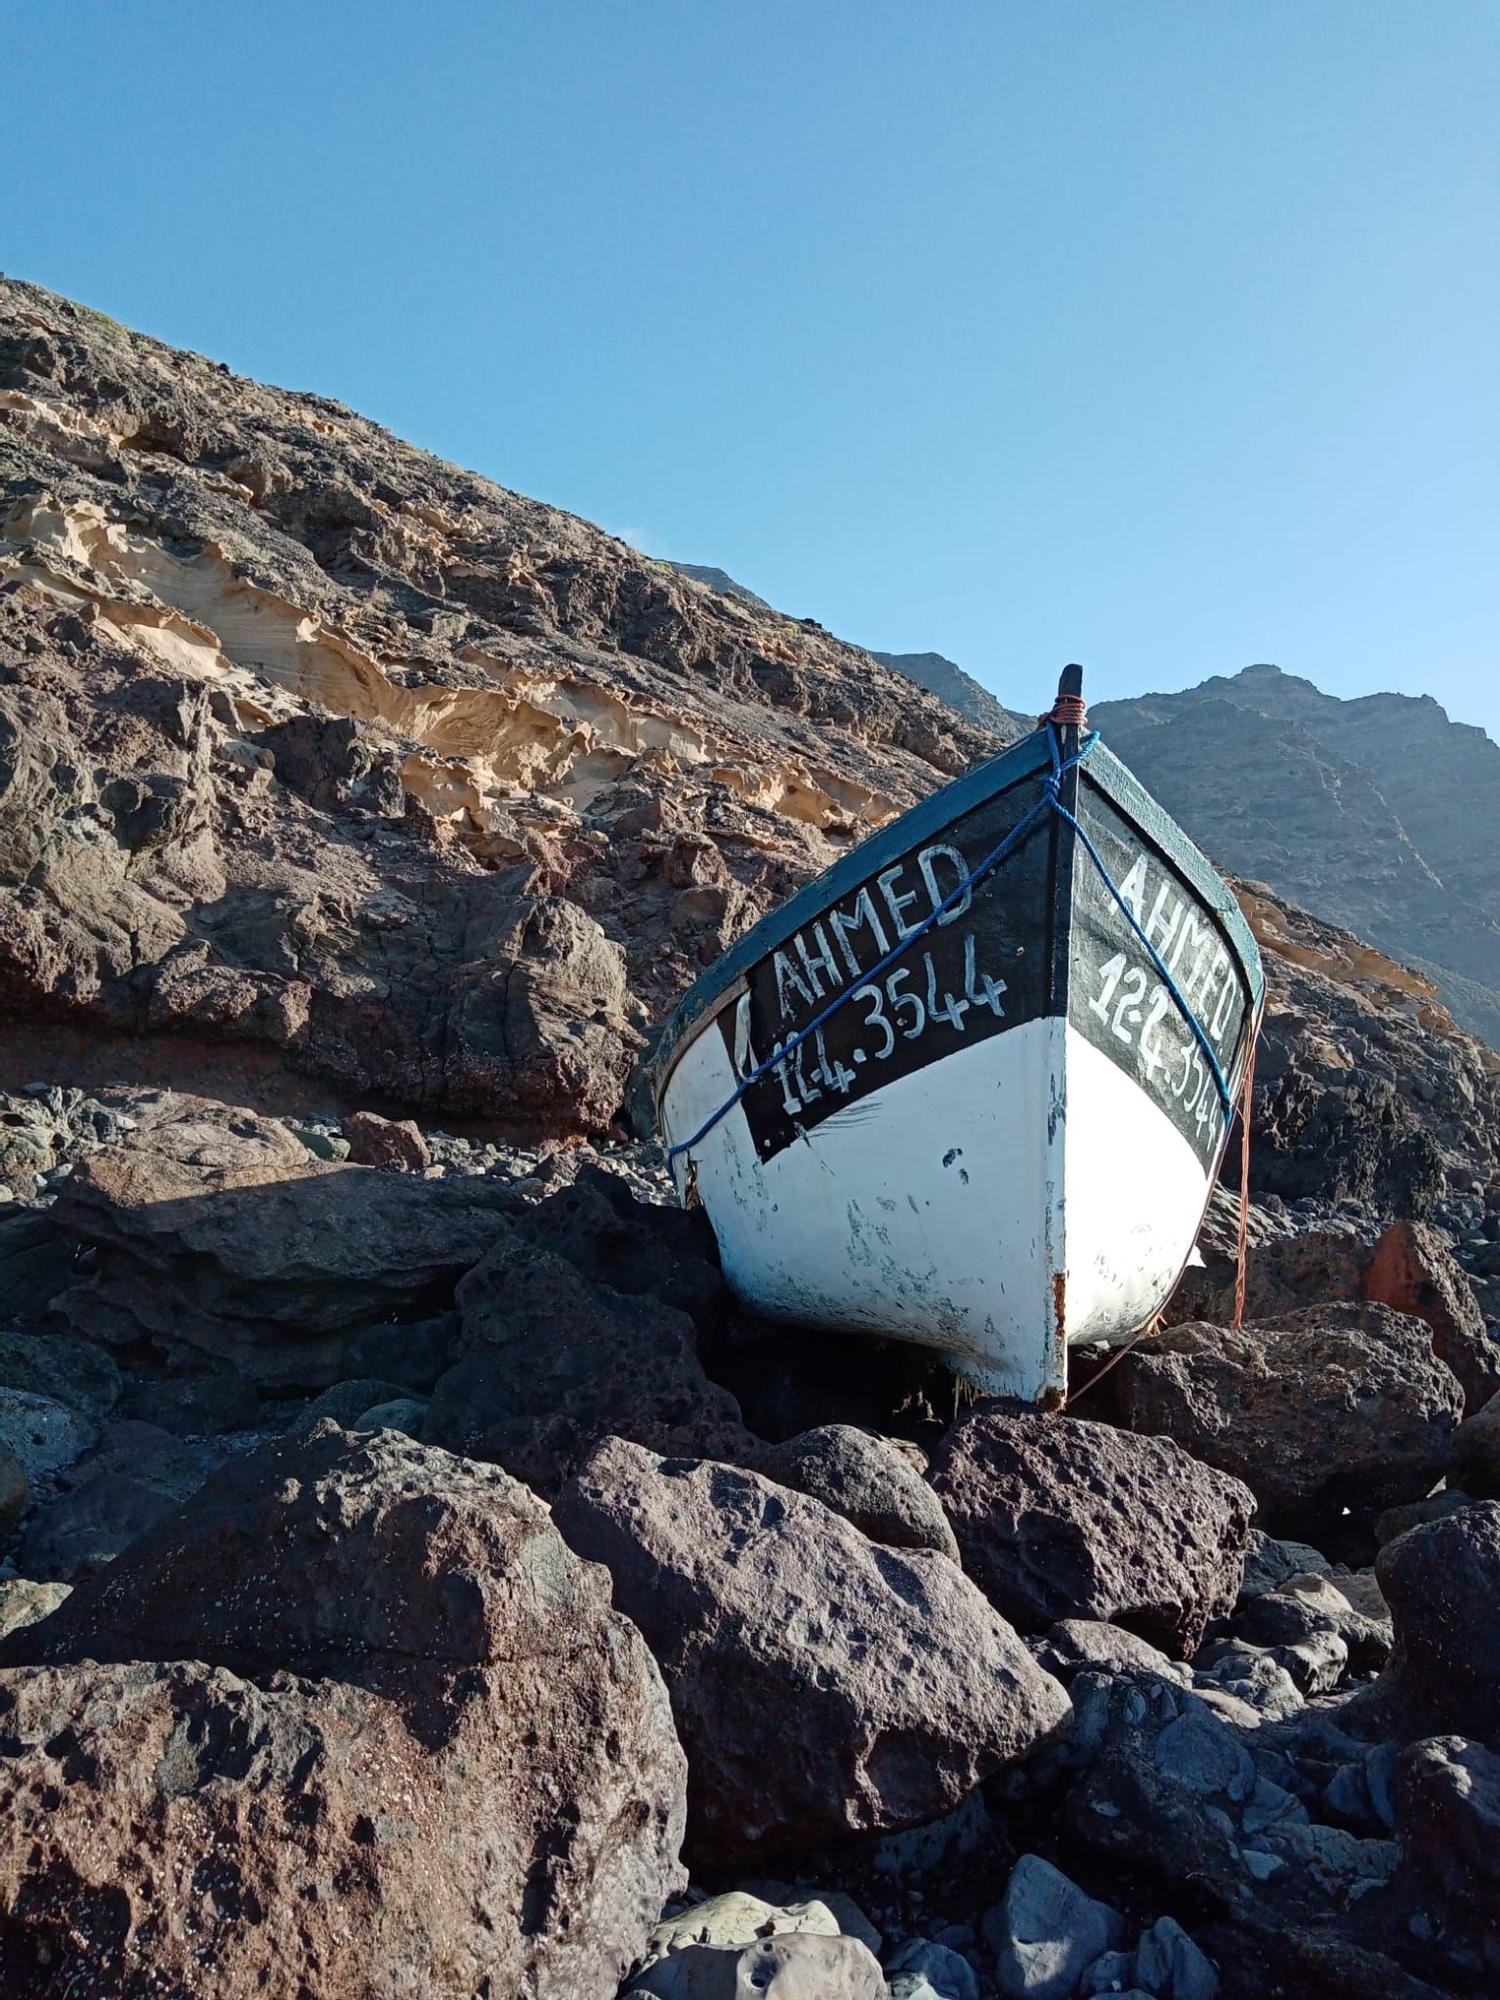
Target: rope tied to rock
point(1048, 801)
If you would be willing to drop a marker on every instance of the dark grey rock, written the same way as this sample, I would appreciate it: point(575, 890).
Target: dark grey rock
point(193, 1405)
point(1394, 1521)
point(1058, 1518)
point(413, 1353)
point(866, 1480)
point(1074, 1644)
point(922, 1970)
point(63, 1367)
point(15, 1489)
point(81, 1532)
point(1169, 1964)
point(1442, 1582)
point(1304, 1606)
point(175, 1466)
point(343, 1402)
point(1476, 1452)
point(45, 1435)
point(1447, 1808)
point(1252, 1674)
point(1046, 1932)
point(554, 1361)
point(1270, 1562)
point(402, 1413)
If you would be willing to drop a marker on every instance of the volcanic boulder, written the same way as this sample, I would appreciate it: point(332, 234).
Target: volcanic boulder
point(1057, 1518)
point(866, 1480)
point(1332, 1406)
point(354, 1662)
point(823, 1685)
point(1447, 1800)
point(1442, 1583)
point(555, 1362)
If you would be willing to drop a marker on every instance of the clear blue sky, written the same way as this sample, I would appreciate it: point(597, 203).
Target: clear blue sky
point(1162, 334)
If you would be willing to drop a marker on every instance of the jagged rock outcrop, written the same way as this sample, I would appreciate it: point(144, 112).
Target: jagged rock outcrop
point(948, 681)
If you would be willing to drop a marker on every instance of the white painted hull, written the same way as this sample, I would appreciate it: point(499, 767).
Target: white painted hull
point(1020, 1194)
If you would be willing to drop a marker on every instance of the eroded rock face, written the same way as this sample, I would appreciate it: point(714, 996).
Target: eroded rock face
point(356, 1660)
point(268, 1265)
point(1326, 1407)
point(823, 1685)
point(1057, 1518)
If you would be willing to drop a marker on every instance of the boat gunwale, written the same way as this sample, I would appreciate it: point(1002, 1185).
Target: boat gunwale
point(722, 983)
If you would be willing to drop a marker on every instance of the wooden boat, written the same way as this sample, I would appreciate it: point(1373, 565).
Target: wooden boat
point(972, 1086)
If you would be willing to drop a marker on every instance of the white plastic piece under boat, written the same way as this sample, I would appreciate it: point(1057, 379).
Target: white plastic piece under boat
point(1017, 1195)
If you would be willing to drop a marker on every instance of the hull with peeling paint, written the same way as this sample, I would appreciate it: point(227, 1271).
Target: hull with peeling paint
point(1004, 1140)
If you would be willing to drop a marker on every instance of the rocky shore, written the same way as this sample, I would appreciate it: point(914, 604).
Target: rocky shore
point(417, 1579)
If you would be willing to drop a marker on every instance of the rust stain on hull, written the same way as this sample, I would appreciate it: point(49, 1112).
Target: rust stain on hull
point(1055, 1397)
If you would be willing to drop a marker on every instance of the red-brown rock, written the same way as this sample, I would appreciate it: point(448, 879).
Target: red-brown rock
point(1412, 1270)
point(822, 1685)
point(354, 1722)
point(386, 1142)
point(1332, 1406)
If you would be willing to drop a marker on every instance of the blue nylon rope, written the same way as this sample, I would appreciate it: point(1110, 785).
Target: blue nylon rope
point(1050, 800)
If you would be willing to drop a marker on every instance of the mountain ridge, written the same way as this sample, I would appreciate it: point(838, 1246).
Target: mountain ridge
point(1378, 811)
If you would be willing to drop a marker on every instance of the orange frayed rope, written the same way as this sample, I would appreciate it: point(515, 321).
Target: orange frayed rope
point(1247, 1099)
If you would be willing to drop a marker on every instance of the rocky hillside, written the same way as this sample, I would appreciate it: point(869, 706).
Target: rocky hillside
point(722, 581)
point(947, 680)
point(416, 1577)
point(932, 671)
point(561, 758)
